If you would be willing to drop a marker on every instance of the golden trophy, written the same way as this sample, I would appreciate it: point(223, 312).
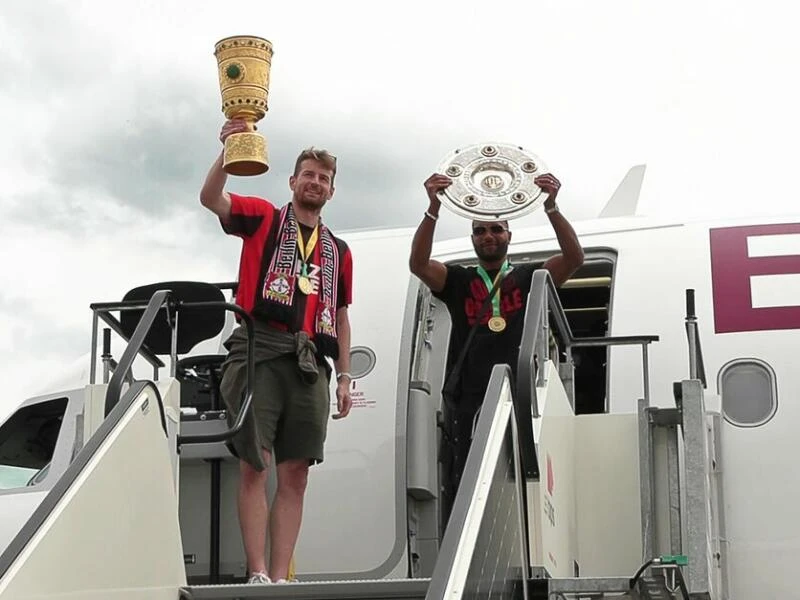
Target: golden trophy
point(244, 63)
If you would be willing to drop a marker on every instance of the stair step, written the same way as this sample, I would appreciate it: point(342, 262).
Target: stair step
point(377, 589)
point(653, 588)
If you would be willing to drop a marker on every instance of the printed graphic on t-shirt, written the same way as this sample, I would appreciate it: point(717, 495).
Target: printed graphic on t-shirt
point(465, 295)
point(511, 300)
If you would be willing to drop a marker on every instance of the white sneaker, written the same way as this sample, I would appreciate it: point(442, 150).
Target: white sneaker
point(259, 578)
point(282, 580)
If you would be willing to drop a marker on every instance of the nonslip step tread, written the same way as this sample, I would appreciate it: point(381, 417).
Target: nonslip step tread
point(377, 589)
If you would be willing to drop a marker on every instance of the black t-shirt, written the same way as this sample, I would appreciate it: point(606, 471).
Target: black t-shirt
point(465, 295)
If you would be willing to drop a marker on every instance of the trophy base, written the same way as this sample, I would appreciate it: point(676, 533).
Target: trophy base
point(245, 154)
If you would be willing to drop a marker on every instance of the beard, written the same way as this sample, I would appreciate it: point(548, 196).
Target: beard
point(310, 201)
point(496, 252)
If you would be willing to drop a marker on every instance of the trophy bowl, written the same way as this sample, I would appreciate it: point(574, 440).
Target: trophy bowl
point(492, 182)
point(244, 64)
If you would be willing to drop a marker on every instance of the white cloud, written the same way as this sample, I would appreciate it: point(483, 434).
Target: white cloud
point(113, 111)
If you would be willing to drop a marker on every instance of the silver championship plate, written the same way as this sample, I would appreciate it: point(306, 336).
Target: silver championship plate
point(492, 182)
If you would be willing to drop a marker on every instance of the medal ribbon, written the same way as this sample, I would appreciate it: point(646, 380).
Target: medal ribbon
point(307, 249)
point(490, 284)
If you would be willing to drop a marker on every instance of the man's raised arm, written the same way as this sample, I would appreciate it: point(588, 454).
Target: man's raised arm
point(563, 265)
point(213, 195)
point(431, 272)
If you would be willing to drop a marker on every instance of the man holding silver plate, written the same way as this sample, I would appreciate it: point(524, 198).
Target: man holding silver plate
point(491, 184)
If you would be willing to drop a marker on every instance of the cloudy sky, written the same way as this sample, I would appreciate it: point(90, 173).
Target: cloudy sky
point(110, 117)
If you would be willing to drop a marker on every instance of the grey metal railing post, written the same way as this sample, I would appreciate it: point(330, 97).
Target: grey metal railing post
point(93, 364)
point(697, 487)
point(646, 479)
point(106, 356)
point(674, 482)
point(696, 367)
point(646, 374)
point(173, 353)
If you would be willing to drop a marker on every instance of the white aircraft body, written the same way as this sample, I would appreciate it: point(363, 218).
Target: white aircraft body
point(105, 496)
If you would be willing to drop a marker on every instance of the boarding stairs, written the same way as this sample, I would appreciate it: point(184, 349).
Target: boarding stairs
point(497, 543)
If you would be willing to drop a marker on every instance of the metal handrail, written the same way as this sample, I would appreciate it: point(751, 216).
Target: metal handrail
point(206, 438)
point(154, 305)
point(543, 299)
point(133, 348)
point(697, 369)
point(102, 310)
point(458, 528)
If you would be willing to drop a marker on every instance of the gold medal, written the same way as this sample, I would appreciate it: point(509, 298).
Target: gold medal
point(497, 324)
point(304, 283)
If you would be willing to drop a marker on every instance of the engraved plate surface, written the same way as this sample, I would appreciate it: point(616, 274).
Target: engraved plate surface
point(492, 182)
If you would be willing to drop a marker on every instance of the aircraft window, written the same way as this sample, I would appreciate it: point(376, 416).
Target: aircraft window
point(748, 391)
point(362, 361)
point(28, 441)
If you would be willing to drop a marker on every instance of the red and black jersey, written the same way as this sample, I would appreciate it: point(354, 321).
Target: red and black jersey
point(255, 220)
point(465, 295)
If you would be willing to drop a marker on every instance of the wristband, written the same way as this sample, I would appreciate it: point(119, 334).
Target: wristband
point(343, 374)
point(431, 217)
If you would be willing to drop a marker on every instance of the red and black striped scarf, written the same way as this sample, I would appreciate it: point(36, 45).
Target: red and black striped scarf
point(280, 284)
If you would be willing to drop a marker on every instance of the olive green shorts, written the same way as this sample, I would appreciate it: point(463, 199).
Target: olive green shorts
point(290, 415)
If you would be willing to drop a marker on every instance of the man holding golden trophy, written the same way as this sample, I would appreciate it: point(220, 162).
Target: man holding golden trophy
point(295, 280)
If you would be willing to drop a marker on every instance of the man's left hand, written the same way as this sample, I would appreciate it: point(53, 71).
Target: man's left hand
point(550, 185)
point(343, 400)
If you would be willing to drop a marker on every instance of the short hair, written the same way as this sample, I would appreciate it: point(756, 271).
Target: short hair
point(322, 156)
point(503, 222)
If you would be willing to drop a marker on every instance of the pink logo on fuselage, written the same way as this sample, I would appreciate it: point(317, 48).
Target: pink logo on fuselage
point(731, 270)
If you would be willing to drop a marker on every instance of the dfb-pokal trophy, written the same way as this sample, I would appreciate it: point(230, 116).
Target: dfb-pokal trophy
point(244, 63)
point(492, 181)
